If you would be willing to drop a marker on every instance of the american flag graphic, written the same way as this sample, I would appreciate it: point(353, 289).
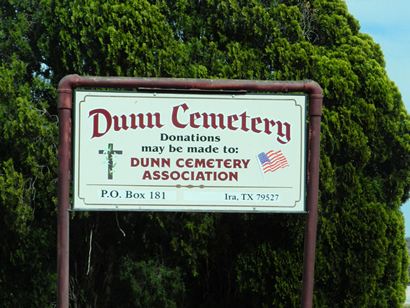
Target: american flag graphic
point(272, 161)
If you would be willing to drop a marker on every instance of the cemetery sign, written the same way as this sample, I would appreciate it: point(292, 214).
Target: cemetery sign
point(189, 152)
point(188, 145)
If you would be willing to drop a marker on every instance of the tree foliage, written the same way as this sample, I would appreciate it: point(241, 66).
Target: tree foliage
point(181, 259)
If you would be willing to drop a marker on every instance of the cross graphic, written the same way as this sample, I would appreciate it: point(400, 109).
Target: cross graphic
point(110, 153)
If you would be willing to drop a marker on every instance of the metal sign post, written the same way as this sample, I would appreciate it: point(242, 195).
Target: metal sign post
point(184, 100)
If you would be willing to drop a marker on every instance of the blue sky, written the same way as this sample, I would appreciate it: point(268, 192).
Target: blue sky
point(388, 22)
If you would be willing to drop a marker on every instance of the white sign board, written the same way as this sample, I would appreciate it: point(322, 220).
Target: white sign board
point(189, 152)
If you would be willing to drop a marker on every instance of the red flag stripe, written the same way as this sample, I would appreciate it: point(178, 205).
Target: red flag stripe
point(277, 161)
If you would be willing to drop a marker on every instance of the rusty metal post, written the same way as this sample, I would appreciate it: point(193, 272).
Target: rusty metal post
point(64, 176)
point(315, 112)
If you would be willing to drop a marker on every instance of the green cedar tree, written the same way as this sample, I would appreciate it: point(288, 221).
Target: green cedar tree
point(181, 259)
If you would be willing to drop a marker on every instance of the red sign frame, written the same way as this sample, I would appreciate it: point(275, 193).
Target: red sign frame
point(65, 105)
